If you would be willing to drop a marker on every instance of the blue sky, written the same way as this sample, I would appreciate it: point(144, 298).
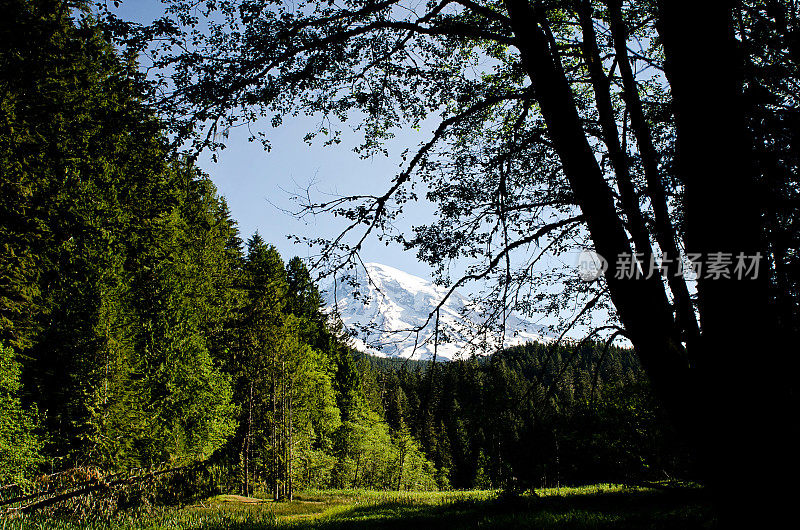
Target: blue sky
point(258, 185)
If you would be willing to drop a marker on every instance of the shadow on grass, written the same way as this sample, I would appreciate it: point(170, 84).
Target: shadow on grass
point(678, 509)
point(685, 508)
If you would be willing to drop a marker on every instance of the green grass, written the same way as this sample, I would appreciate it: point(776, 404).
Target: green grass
point(592, 507)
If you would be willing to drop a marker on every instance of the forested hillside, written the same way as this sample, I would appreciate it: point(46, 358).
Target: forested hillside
point(537, 415)
point(137, 330)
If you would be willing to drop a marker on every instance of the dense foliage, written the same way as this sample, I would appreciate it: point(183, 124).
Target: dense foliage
point(533, 416)
point(136, 330)
point(116, 255)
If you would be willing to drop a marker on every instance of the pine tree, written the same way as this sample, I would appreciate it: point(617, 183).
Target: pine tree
point(110, 249)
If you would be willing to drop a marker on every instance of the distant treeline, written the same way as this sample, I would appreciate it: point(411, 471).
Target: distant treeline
point(532, 416)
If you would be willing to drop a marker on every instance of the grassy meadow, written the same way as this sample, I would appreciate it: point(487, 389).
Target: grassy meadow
point(599, 506)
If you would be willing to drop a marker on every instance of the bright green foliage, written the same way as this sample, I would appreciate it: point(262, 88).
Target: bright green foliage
point(414, 471)
point(374, 456)
point(305, 419)
point(19, 446)
point(116, 256)
point(367, 459)
point(316, 420)
point(179, 297)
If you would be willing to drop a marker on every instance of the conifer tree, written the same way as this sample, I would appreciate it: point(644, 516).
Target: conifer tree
point(111, 275)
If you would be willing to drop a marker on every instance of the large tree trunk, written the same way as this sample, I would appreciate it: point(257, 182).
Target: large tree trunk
point(750, 431)
point(727, 402)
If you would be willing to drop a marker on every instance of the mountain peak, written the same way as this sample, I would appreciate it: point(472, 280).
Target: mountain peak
point(391, 312)
point(381, 273)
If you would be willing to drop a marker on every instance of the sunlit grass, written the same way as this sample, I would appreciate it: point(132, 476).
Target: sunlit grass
point(589, 507)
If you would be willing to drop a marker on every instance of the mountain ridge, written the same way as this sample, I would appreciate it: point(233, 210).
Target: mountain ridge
point(389, 305)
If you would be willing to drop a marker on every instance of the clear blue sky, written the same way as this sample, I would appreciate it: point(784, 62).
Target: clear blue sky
point(258, 185)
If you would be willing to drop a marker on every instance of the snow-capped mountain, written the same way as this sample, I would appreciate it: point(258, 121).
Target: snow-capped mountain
point(391, 303)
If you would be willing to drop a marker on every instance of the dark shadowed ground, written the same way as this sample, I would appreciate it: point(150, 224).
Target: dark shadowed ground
point(595, 507)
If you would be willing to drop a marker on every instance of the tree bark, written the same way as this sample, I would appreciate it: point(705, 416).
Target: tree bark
point(750, 427)
point(601, 86)
point(664, 229)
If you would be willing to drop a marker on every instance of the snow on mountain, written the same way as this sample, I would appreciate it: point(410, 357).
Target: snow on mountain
point(392, 303)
